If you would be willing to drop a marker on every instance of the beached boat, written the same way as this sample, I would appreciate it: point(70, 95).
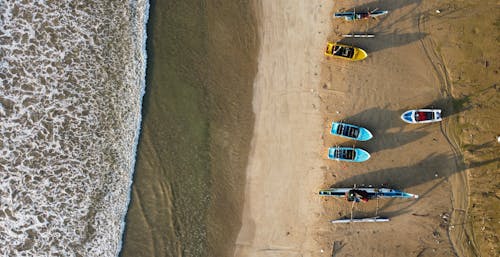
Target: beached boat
point(345, 52)
point(358, 194)
point(422, 116)
point(350, 131)
point(365, 193)
point(351, 16)
point(348, 154)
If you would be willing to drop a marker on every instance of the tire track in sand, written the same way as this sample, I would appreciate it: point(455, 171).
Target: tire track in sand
point(462, 241)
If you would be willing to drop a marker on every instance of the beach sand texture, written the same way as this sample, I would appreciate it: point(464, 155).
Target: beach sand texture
point(465, 39)
point(281, 206)
point(298, 92)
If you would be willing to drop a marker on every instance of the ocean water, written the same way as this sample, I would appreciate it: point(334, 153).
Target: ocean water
point(188, 189)
point(71, 85)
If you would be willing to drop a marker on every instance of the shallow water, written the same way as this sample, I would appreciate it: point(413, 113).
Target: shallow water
point(188, 186)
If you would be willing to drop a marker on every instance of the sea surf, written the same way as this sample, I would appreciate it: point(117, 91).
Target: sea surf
point(72, 79)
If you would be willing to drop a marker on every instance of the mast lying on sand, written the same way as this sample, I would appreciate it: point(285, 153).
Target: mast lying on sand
point(363, 220)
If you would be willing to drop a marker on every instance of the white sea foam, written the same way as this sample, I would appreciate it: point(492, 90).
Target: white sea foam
point(71, 86)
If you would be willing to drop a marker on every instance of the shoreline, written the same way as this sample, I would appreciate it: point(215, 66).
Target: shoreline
point(197, 123)
point(143, 81)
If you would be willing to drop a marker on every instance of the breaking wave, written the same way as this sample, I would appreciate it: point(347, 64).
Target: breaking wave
point(71, 84)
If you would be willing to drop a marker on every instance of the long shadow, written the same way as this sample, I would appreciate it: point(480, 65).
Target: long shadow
point(389, 5)
point(450, 106)
point(382, 211)
point(479, 148)
point(435, 167)
point(387, 129)
point(393, 5)
point(387, 126)
point(400, 177)
point(385, 41)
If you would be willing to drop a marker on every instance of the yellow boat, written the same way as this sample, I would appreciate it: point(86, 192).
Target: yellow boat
point(345, 52)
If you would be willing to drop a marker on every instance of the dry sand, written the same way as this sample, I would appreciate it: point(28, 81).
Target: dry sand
point(283, 174)
point(298, 92)
point(464, 37)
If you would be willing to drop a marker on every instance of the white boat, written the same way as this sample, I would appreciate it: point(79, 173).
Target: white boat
point(422, 116)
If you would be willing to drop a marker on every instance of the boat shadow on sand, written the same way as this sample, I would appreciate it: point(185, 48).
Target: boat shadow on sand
point(434, 167)
point(387, 129)
point(384, 41)
point(387, 34)
point(450, 106)
point(389, 5)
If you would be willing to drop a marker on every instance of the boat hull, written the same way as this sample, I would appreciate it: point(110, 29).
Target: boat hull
point(362, 135)
point(358, 55)
point(372, 192)
point(360, 155)
point(351, 16)
point(415, 116)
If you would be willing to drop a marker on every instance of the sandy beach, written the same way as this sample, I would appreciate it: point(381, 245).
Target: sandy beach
point(281, 208)
point(298, 92)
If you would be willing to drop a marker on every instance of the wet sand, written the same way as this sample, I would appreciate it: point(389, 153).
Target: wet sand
point(298, 92)
point(197, 124)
